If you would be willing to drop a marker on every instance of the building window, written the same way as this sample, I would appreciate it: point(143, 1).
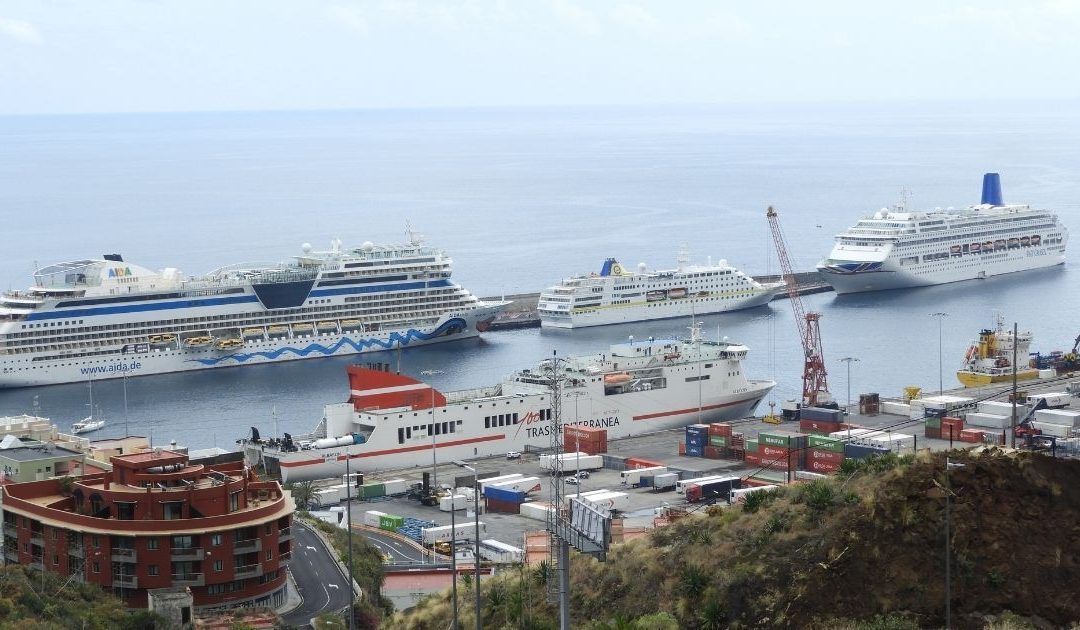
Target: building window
point(234, 501)
point(151, 543)
point(269, 554)
point(215, 540)
point(97, 541)
point(125, 511)
point(55, 559)
point(218, 565)
point(172, 510)
point(215, 589)
point(97, 567)
point(267, 528)
point(152, 570)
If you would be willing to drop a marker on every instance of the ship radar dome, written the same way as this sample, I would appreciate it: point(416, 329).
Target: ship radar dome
point(306, 248)
point(367, 246)
point(641, 267)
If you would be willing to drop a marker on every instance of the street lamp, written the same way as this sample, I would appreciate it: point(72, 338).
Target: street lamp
point(476, 514)
point(948, 542)
point(940, 316)
point(849, 360)
point(453, 551)
point(434, 469)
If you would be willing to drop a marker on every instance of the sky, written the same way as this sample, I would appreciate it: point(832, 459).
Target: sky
point(80, 56)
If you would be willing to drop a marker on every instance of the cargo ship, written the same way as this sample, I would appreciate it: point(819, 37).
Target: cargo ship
point(898, 248)
point(107, 318)
point(617, 295)
point(393, 421)
point(990, 358)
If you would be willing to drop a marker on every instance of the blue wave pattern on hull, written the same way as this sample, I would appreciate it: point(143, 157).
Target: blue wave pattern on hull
point(455, 324)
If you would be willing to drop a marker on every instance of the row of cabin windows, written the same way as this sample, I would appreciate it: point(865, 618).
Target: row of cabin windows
point(501, 420)
point(438, 428)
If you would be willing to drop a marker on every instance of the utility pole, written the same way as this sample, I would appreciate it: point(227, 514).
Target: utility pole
point(948, 543)
point(476, 551)
point(434, 464)
point(849, 360)
point(348, 528)
point(940, 381)
point(453, 554)
point(1012, 443)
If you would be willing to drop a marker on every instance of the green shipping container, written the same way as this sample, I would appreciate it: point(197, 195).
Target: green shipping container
point(782, 440)
point(718, 440)
point(826, 443)
point(390, 522)
point(371, 491)
point(752, 446)
point(933, 423)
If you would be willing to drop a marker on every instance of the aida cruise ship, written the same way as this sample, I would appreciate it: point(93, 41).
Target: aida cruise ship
point(896, 248)
point(98, 319)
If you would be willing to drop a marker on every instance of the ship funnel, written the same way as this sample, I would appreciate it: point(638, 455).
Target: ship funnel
point(991, 192)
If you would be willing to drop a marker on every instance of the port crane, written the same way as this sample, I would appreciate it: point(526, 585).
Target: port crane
point(815, 386)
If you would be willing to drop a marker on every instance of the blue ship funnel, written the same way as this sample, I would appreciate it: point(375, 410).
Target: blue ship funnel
point(606, 269)
point(991, 194)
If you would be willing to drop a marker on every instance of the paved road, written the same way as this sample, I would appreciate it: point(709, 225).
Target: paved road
point(318, 578)
point(396, 550)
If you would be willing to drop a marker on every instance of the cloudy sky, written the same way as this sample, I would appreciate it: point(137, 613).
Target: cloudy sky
point(182, 55)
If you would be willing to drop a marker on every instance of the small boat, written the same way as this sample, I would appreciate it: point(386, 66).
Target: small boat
point(228, 344)
point(327, 325)
point(999, 244)
point(277, 331)
point(1036, 240)
point(1014, 243)
point(655, 296)
point(303, 329)
point(616, 378)
point(1025, 241)
point(975, 247)
point(253, 332)
point(956, 250)
point(676, 293)
point(351, 324)
point(86, 425)
point(197, 342)
point(987, 247)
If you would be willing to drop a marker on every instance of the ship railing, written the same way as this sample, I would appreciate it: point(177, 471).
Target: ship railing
point(465, 395)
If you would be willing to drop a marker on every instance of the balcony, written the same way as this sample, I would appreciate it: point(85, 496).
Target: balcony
point(284, 557)
point(11, 554)
point(125, 581)
point(37, 538)
point(188, 553)
point(78, 551)
point(251, 570)
point(188, 579)
point(35, 563)
point(10, 529)
point(284, 534)
point(247, 546)
point(120, 554)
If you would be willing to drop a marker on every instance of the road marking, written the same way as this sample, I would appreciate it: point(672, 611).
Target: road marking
point(332, 585)
point(312, 548)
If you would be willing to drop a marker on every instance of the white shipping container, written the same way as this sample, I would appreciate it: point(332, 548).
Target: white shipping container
point(327, 497)
point(535, 510)
point(494, 480)
point(608, 501)
point(680, 485)
point(633, 477)
point(497, 551)
point(443, 533)
point(851, 433)
point(1000, 408)
point(665, 481)
point(371, 517)
point(396, 486)
point(1058, 416)
point(738, 495)
point(806, 475)
point(458, 501)
point(524, 484)
point(987, 420)
point(576, 463)
point(885, 439)
point(1047, 428)
point(1054, 400)
point(943, 402)
point(1050, 373)
point(896, 408)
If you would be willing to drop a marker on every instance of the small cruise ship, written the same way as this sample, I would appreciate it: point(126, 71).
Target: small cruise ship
point(393, 421)
point(897, 248)
point(617, 295)
point(107, 318)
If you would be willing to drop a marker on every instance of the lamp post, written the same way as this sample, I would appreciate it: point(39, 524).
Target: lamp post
point(434, 473)
point(940, 316)
point(849, 360)
point(476, 514)
point(453, 553)
point(348, 528)
point(948, 543)
point(577, 437)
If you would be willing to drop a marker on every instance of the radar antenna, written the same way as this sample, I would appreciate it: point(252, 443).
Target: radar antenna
point(412, 237)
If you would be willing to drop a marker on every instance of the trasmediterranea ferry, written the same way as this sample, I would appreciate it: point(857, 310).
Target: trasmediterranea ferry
point(896, 248)
point(107, 318)
point(617, 295)
point(393, 421)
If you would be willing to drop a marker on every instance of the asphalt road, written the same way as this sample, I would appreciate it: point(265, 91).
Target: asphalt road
point(318, 577)
point(396, 550)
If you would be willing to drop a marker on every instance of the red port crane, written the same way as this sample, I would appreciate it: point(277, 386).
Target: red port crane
point(815, 389)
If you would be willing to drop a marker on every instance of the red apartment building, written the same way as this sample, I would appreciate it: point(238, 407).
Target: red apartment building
point(155, 521)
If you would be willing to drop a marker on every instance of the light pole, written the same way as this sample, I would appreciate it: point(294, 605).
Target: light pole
point(940, 316)
point(577, 438)
point(453, 552)
point(434, 473)
point(348, 528)
point(948, 543)
point(849, 360)
point(476, 514)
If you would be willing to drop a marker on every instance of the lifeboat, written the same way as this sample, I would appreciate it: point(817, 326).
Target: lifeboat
point(988, 246)
point(351, 324)
point(1036, 240)
point(999, 244)
point(327, 326)
point(974, 248)
point(955, 250)
point(302, 329)
point(655, 296)
point(616, 378)
point(228, 344)
point(197, 342)
point(1025, 241)
point(1014, 243)
point(676, 293)
point(277, 331)
point(253, 332)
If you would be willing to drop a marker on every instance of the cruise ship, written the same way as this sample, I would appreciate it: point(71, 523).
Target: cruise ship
point(617, 295)
point(107, 318)
point(392, 421)
point(896, 248)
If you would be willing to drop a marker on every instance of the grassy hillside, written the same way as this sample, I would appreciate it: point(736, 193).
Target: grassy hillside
point(862, 550)
point(32, 600)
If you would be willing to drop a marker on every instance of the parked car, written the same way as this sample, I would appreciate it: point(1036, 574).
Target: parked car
point(513, 455)
point(582, 474)
point(573, 481)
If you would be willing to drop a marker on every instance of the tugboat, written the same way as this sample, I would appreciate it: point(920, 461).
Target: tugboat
point(990, 358)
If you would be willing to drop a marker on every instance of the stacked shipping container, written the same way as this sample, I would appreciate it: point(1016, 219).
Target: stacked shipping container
point(585, 439)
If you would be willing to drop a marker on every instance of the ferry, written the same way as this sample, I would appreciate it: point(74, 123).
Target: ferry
point(394, 421)
point(107, 318)
point(896, 248)
point(617, 295)
point(990, 358)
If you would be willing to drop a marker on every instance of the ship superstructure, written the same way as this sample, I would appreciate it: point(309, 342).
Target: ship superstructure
point(897, 248)
point(990, 358)
point(393, 421)
point(107, 318)
point(617, 295)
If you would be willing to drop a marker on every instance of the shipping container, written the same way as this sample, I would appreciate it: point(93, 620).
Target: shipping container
point(821, 414)
point(862, 451)
point(826, 443)
point(443, 533)
point(933, 433)
point(821, 455)
point(502, 507)
point(637, 462)
point(608, 501)
point(682, 484)
point(752, 460)
point(987, 420)
point(500, 552)
point(504, 494)
point(712, 452)
point(718, 440)
point(823, 466)
point(490, 481)
point(774, 452)
point(572, 462)
point(1054, 400)
point(371, 517)
point(933, 423)
point(1000, 408)
point(712, 490)
point(633, 477)
point(752, 446)
point(394, 487)
point(738, 495)
point(695, 451)
point(328, 496)
point(391, 522)
point(1058, 416)
point(665, 481)
point(535, 510)
point(850, 433)
point(818, 426)
point(524, 484)
point(454, 502)
point(371, 491)
point(783, 439)
point(720, 429)
point(1048, 428)
point(896, 408)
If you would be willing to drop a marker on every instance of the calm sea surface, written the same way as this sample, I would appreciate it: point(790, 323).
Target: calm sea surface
point(522, 198)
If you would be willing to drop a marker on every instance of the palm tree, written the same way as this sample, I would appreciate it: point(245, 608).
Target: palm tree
point(303, 493)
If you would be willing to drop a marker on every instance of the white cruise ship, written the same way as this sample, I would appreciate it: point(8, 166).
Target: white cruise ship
point(617, 296)
point(393, 421)
point(896, 248)
point(97, 319)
